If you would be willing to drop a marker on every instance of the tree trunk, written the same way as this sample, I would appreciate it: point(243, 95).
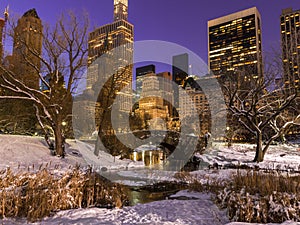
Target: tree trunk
point(59, 139)
point(46, 135)
point(259, 155)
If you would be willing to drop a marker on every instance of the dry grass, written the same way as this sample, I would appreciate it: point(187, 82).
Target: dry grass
point(36, 195)
point(261, 197)
point(253, 196)
point(266, 183)
point(195, 184)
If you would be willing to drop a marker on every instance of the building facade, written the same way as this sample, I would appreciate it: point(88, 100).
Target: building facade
point(196, 96)
point(150, 107)
point(140, 73)
point(234, 45)
point(290, 44)
point(166, 88)
point(28, 39)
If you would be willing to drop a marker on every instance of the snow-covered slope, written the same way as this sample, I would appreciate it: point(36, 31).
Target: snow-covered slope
point(25, 152)
point(30, 152)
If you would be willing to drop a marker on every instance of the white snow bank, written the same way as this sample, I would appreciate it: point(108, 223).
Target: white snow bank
point(190, 194)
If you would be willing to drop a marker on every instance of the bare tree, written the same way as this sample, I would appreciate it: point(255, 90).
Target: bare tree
point(259, 109)
point(110, 90)
point(63, 61)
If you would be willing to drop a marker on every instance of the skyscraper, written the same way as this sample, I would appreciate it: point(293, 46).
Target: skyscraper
point(110, 57)
point(2, 32)
point(28, 39)
point(234, 44)
point(290, 43)
point(2, 24)
point(180, 67)
point(108, 37)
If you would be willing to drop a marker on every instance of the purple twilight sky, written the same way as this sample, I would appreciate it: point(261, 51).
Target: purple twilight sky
point(180, 21)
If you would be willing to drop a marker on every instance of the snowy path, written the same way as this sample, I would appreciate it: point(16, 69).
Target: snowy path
point(163, 212)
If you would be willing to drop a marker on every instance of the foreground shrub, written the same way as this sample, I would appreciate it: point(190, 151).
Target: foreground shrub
point(36, 195)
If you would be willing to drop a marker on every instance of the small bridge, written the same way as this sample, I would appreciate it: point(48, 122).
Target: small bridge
point(180, 147)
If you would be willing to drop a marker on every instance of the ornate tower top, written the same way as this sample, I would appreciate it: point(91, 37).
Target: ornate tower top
point(6, 14)
point(31, 13)
point(124, 2)
point(120, 10)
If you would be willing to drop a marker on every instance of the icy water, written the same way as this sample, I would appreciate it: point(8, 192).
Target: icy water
point(150, 193)
point(140, 191)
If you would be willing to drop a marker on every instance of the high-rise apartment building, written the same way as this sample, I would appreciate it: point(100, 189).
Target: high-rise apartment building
point(28, 39)
point(234, 44)
point(290, 43)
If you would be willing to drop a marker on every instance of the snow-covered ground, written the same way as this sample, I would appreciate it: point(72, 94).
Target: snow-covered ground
point(199, 210)
point(281, 157)
point(19, 153)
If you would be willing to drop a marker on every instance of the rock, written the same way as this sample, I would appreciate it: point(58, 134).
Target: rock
point(104, 169)
point(214, 166)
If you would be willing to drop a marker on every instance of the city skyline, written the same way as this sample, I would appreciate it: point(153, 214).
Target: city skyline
point(173, 21)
